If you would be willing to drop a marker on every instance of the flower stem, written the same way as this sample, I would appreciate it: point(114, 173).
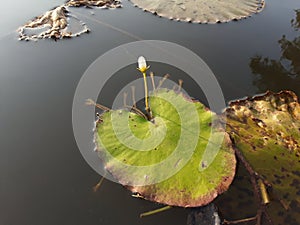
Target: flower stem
point(146, 92)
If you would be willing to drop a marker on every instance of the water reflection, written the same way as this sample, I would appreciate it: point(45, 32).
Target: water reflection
point(296, 22)
point(282, 73)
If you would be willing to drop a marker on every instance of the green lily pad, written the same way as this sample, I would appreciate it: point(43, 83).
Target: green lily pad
point(182, 157)
point(202, 11)
point(266, 129)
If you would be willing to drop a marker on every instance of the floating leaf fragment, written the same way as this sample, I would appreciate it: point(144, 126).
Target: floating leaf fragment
point(202, 11)
point(266, 129)
point(53, 24)
point(192, 182)
point(59, 23)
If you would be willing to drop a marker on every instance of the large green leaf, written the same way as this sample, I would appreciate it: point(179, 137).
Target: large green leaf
point(175, 159)
point(266, 129)
point(202, 11)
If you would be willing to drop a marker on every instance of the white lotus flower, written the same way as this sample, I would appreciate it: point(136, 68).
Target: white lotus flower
point(142, 64)
point(142, 67)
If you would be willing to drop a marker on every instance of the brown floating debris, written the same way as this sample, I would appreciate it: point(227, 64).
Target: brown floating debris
point(94, 3)
point(59, 23)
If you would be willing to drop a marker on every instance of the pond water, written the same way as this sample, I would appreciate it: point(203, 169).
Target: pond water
point(43, 178)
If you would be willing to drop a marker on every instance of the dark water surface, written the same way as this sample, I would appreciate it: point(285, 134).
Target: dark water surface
point(43, 178)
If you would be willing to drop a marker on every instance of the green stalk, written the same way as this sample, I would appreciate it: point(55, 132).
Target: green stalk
point(155, 211)
point(146, 92)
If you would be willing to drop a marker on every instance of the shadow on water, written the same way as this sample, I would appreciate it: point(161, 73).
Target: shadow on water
point(272, 74)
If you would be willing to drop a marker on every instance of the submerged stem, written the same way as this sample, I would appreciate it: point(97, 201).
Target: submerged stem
point(97, 186)
point(264, 194)
point(155, 211)
point(239, 221)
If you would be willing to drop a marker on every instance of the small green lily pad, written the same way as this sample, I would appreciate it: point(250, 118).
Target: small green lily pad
point(266, 129)
point(173, 159)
